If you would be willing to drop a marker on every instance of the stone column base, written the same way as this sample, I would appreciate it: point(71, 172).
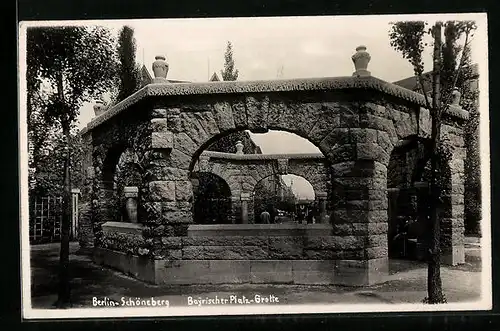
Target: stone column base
point(449, 256)
point(453, 255)
point(187, 272)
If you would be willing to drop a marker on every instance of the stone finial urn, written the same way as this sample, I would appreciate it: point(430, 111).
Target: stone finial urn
point(160, 69)
point(456, 95)
point(131, 193)
point(239, 147)
point(99, 107)
point(361, 59)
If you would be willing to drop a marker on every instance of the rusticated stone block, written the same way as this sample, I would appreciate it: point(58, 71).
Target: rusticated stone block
point(334, 255)
point(158, 112)
point(367, 204)
point(362, 216)
point(376, 240)
point(334, 243)
point(377, 110)
point(177, 217)
point(153, 211)
point(349, 121)
point(366, 194)
point(362, 136)
point(183, 190)
point(260, 241)
point(271, 272)
point(376, 252)
point(257, 109)
point(184, 143)
point(313, 272)
point(371, 151)
point(223, 113)
point(342, 153)
point(286, 247)
point(229, 271)
point(172, 242)
point(162, 190)
point(224, 253)
point(162, 140)
point(159, 124)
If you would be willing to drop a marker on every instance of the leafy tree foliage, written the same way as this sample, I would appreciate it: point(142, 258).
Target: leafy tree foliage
point(229, 73)
point(76, 64)
point(447, 74)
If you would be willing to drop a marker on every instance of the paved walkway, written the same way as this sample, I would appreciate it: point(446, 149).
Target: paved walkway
point(406, 284)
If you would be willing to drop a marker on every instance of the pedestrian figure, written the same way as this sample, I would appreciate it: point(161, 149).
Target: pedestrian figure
point(265, 217)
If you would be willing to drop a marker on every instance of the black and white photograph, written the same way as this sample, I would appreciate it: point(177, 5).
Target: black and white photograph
point(249, 166)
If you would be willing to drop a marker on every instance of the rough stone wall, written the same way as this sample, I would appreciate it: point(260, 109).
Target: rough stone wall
point(100, 195)
point(227, 144)
point(355, 131)
point(244, 175)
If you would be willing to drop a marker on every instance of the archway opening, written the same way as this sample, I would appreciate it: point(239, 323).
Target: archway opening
point(287, 199)
point(251, 166)
point(212, 199)
point(120, 169)
point(408, 199)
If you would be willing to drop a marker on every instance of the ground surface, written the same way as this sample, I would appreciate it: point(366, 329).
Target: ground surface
point(405, 284)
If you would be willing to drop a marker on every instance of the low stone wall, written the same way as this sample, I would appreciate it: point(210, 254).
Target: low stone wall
point(300, 272)
point(242, 253)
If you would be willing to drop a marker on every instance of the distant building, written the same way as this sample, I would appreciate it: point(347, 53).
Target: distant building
point(411, 83)
point(214, 78)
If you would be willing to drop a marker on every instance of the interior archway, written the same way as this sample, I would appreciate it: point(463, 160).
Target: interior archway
point(212, 199)
point(287, 198)
point(407, 198)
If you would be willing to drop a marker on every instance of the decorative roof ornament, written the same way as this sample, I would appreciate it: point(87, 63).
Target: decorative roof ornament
point(361, 59)
point(160, 69)
point(99, 107)
point(456, 97)
point(239, 147)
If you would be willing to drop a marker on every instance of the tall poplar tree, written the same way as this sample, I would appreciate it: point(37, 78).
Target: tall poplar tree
point(229, 73)
point(128, 71)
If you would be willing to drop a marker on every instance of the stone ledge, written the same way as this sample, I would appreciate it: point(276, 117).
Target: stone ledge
point(189, 272)
point(123, 227)
point(310, 84)
point(268, 230)
point(233, 156)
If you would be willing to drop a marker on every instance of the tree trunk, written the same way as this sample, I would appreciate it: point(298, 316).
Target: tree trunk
point(64, 297)
point(434, 285)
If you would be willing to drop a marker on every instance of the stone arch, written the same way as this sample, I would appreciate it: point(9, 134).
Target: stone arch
point(108, 188)
point(212, 199)
point(355, 140)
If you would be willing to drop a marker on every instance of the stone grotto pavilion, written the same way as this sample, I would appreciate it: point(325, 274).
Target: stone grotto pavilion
point(374, 140)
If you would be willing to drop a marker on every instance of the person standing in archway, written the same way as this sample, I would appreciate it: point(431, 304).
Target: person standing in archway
point(265, 217)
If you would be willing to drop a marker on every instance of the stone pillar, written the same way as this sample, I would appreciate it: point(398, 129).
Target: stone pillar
point(452, 213)
point(321, 197)
point(166, 198)
point(359, 201)
point(85, 211)
point(235, 210)
point(131, 193)
point(239, 147)
point(245, 197)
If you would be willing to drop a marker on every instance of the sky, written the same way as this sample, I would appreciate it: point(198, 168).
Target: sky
point(303, 47)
